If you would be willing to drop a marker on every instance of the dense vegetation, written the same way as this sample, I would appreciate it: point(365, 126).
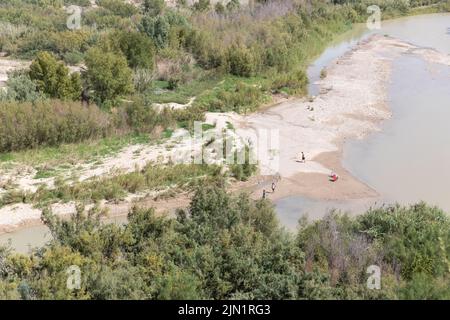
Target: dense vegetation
point(230, 247)
point(230, 57)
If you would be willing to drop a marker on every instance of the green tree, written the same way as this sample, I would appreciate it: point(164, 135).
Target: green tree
point(219, 8)
point(240, 61)
point(108, 75)
point(153, 7)
point(422, 287)
point(137, 48)
point(416, 237)
point(162, 27)
point(157, 28)
point(52, 78)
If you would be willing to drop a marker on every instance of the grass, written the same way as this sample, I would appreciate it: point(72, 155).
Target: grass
point(230, 126)
point(207, 126)
point(211, 90)
point(66, 154)
point(235, 94)
point(45, 173)
point(151, 178)
point(161, 94)
point(167, 133)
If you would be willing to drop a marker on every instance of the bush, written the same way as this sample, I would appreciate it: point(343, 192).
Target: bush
point(20, 88)
point(73, 58)
point(48, 123)
point(107, 75)
point(241, 99)
point(240, 61)
point(118, 7)
point(414, 237)
point(142, 118)
point(135, 46)
point(153, 7)
point(81, 3)
point(52, 78)
point(245, 170)
point(294, 82)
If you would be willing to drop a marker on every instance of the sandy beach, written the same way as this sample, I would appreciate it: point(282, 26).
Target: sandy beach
point(352, 104)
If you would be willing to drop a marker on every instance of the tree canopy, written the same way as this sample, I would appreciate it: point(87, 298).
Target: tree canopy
point(52, 78)
point(108, 75)
point(231, 247)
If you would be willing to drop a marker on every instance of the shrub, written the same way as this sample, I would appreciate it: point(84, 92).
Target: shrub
point(243, 171)
point(118, 7)
point(142, 79)
point(240, 61)
point(202, 5)
point(50, 122)
point(153, 7)
point(135, 46)
point(294, 82)
point(205, 49)
point(241, 99)
point(81, 3)
point(107, 75)
point(412, 237)
point(52, 78)
point(21, 88)
point(73, 57)
point(162, 27)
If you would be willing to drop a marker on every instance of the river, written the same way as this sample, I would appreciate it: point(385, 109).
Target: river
point(406, 162)
point(409, 160)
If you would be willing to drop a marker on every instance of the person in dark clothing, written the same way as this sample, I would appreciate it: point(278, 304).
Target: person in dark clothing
point(303, 157)
point(264, 194)
point(273, 187)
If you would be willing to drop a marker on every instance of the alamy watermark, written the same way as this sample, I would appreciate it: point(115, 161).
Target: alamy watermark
point(73, 21)
point(374, 279)
point(73, 277)
point(225, 146)
point(374, 20)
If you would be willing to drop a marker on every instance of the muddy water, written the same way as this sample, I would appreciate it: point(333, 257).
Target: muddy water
point(409, 160)
point(25, 239)
point(431, 30)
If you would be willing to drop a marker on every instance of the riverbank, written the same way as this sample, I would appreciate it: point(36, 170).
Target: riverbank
point(20, 216)
point(352, 103)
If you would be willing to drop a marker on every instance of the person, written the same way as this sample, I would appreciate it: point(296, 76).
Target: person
point(303, 157)
point(264, 194)
point(333, 177)
point(273, 187)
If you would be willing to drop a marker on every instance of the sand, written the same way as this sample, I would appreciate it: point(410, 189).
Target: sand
point(352, 104)
point(8, 65)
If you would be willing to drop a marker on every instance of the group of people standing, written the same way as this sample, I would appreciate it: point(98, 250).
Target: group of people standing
point(333, 177)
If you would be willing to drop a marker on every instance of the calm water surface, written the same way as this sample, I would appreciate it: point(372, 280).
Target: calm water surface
point(409, 160)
